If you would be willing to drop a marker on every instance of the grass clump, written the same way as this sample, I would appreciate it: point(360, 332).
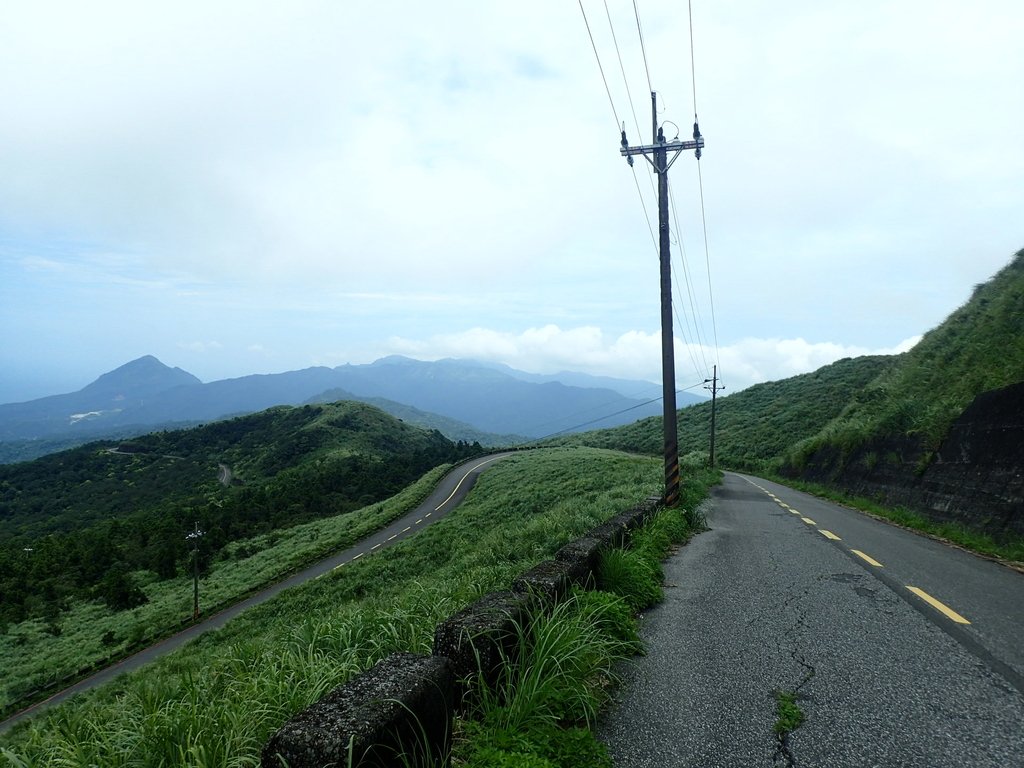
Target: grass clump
point(541, 710)
point(789, 716)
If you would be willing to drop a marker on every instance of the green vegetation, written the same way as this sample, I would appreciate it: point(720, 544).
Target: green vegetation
point(68, 520)
point(789, 716)
point(978, 348)
point(753, 427)
point(217, 701)
point(542, 710)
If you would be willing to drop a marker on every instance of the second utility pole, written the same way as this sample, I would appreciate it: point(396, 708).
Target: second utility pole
point(659, 152)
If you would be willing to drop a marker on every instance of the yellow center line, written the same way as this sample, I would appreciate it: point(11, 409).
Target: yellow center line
point(867, 558)
point(939, 606)
point(784, 505)
point(808, 521)
point(829, 535)
point(463, 478)
point(795, 512)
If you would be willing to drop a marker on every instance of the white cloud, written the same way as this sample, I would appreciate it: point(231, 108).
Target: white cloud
point(635, 354)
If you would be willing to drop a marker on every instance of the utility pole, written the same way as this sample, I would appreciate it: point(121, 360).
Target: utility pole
point(194, 537)
point(657, 154)
point(714, 388)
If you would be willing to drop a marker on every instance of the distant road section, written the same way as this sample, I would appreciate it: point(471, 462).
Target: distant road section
point(449, 494)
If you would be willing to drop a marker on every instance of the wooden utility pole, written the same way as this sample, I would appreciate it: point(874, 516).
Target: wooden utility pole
point(657, 155)
point(714, 389)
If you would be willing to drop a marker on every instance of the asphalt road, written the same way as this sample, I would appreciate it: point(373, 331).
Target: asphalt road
point(450, 492)
point(768, 601)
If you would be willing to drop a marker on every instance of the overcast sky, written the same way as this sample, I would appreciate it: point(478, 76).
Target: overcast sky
point(257, 187)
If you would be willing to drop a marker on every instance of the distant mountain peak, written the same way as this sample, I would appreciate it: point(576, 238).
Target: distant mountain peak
point(141, 377)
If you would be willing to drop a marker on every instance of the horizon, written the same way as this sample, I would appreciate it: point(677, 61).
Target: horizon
point(316, 185)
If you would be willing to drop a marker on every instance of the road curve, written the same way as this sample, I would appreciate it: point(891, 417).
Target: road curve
point(448, 494)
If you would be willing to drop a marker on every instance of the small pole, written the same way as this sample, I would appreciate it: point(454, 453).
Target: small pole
point(194, 536)
point(714, 389)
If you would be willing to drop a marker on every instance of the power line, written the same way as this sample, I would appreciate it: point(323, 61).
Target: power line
point(640, 32)
point(707, 259)
point(693, 67)
point(695, 308)
point(603, 78)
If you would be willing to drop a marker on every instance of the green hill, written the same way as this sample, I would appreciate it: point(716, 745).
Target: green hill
point(754, 427)
point(978, 348)
point(69, 520)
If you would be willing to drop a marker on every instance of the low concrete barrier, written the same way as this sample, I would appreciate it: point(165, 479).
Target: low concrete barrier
point(400, 712)
point(397, 713)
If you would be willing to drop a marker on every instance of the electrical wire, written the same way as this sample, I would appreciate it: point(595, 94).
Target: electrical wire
point(707, 260)
point(603, 418)
point(693, 67)
point(640, 32)
point(603, 78)
point(695, 308)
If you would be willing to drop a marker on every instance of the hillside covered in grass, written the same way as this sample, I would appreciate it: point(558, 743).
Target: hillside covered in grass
point(77, 525)
point(977, 349)
point(217, 701)
point(754, 427)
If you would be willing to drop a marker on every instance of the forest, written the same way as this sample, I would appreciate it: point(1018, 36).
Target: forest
point(76, 525)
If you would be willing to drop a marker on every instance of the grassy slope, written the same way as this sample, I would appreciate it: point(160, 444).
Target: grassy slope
point(979, 347)
point(217, 701)
point(754, 426)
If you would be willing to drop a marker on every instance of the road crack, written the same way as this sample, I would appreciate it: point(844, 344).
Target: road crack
point(789, 715)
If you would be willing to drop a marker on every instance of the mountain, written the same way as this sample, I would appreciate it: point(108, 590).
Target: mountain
point(146, 394)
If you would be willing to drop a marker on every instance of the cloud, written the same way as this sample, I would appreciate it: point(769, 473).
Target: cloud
point(636, 354)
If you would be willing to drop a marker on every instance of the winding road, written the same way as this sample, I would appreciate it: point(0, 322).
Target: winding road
point(448, 494)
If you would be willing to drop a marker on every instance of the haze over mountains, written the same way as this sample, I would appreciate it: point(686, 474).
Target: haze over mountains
point(488, 403)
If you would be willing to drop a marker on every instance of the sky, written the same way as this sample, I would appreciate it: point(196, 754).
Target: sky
point(240, 187)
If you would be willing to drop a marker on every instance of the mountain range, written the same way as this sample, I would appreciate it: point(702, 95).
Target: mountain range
point(464, 399)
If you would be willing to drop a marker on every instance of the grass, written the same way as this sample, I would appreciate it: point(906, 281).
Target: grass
point(217, 701)
point(789, 716)
point(91, 635)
